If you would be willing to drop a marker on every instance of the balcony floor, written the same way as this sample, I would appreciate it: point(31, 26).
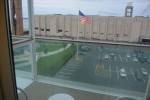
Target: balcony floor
point(42, 91)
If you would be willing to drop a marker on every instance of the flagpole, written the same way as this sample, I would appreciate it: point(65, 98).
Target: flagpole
point(91, 30)
point(78, 24)
point(78, 36)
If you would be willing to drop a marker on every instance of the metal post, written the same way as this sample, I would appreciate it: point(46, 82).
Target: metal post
point(32, 35)
point(91, 29)
point(31, 19)
point(78, 38)
point(147, 94)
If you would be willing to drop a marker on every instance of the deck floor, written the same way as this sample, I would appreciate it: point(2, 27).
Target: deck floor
point(42, 91)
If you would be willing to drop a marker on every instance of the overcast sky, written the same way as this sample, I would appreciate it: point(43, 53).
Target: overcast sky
point(88, 7)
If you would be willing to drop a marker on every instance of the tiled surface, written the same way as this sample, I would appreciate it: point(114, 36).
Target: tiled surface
point(42, 91)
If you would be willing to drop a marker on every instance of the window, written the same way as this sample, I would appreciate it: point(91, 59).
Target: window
point(42, 29)
point(94, 32)
point(47, 29)
point(36, 28)
point(19, 17)
point(125, 35)
point(100, 67)
point(59, 30)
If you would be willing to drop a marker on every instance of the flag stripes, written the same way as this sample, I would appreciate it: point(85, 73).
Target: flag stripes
point(84, 19)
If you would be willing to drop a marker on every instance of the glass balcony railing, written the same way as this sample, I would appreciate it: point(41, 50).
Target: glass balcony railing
point(109, 68)
point(103, 66)
point(23, 60)
point(100, 68)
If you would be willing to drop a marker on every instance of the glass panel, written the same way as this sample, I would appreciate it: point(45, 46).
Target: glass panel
point(113, 68)
point(50, 56)
point(23, 68)
point(22, 58)
point(121, 68)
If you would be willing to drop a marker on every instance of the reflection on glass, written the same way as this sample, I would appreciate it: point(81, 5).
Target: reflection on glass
point(112, 66)
point(19, 17)
point(22, 58)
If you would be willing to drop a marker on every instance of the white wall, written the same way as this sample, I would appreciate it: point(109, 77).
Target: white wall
point(48, 25)
point(136, 29)
point(110, 28)
point(74, 26)
point(42, 25)
point(36, 23)
point(67, 30)
point(102, 27)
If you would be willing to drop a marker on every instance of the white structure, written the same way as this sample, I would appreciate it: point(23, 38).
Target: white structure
point(110, 28)
point(129, 10)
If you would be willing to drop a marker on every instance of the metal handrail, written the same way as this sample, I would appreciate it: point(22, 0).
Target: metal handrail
point(23, 92)
point(92, 41)
point(21, 41)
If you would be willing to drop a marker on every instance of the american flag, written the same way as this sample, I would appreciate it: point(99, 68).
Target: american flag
point(83, 18)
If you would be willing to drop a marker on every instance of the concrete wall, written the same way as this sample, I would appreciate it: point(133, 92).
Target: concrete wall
point(60, 25)
point(148, 35)
point(118, 29)
point(95, 27)
point(81, 30)
point(48, 25)
point(53, 25)
point(37, 24)
point(110, 28)
point(67, 30)
point(74, 26)
point(103, 28)
point(127, 26)
point(42, 25)
point(144, 28)
point(136, 29)
point(88, 31)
